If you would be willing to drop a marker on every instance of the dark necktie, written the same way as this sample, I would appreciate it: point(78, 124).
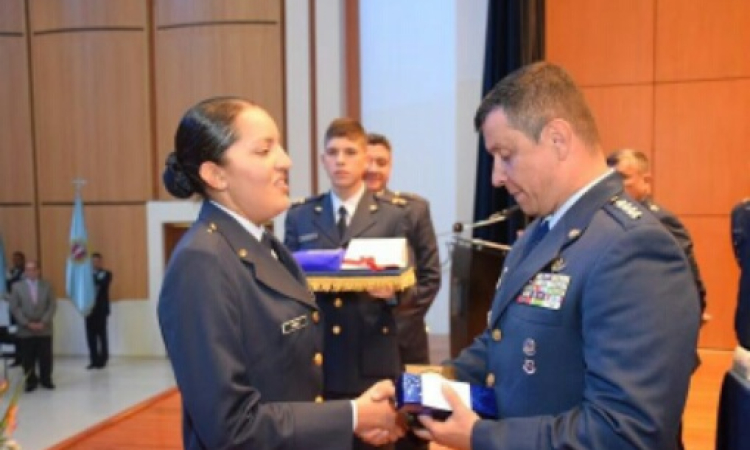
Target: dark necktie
point(341, 224)
point(536, 236)
point(265, 241)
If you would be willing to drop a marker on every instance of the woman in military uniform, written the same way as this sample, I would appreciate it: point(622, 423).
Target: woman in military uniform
point(241, 329)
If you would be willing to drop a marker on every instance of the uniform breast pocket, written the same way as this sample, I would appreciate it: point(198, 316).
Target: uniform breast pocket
point(535, 314)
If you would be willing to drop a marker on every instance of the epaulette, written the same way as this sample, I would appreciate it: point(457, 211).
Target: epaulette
point(408, 195)
point(303, 200)
point(630, 209)
point(391, 198)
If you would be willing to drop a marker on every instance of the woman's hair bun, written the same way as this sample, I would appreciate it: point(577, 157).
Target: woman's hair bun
point(175, 179)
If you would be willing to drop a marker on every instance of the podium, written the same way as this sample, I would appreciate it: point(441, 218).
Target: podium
point(475, 269)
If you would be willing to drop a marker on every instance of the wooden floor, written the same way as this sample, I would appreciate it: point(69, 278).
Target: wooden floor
point(155, 424)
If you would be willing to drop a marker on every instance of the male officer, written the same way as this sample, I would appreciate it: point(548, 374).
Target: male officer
point(595, 319)
point(96, 321)
point(634, 168)
point(360, 344)
point(741, 245)
point(410, 314)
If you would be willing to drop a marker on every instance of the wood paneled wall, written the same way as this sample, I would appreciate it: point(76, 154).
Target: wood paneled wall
point(94, 89)
point(210, 49)
point(672, 78)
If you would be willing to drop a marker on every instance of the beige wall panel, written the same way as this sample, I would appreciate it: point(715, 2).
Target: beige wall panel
point(624, 115)
point(18, 228)
point(92, 115)
point(16, 151)
point(117, 232)
point(48, 15)
point(602, 42)
point(701, 157)
point(12, 16)
point(181, 12)
point(199, 62)
point(713, 249)
point(696, 39)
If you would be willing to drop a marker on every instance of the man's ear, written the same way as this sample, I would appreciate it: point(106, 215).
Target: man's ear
point(213, 175)
point(559, 134)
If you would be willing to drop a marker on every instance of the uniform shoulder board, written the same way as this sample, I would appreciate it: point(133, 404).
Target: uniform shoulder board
point(626, 206)
point(303, 200)
point(392, 198)
point(407, 195)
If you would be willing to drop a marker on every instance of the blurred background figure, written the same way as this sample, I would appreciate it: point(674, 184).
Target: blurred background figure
point(741, 245)
point(635, 169)
point(15, 274)
point(96, 321)
point(33, 304)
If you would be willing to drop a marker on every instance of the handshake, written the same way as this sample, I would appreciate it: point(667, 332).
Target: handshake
point(378, 422)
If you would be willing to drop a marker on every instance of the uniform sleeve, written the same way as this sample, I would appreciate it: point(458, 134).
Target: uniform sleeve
point(471, 364)
point(421, 236)
point(198, 316)
point(291, 235)
point(741, 245)
point(681, 234)
point(740, 232)
point(639, 328)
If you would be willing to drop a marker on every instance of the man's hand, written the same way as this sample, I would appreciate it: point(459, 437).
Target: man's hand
point(377, 420)
point(384, 293)
point(36, 326)
point(455, 432)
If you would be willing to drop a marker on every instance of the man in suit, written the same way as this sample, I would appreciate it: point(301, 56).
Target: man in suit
point(360, 343)
point(634, 167)
point(96, 321)
point(741, 245)
point(410, 313)
point(595, 320)
point(15, 274)
point(33, 304)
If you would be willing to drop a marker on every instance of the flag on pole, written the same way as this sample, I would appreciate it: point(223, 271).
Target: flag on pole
point(79, 281)
point(3, 266)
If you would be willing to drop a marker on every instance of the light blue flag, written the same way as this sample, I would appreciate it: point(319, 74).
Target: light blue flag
point(3, 266)
point(79, 280)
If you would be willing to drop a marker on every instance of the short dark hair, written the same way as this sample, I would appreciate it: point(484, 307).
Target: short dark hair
point(345, 127)
point(204, 134)
point(378, 139)
point(535, 94)
point(96, 255)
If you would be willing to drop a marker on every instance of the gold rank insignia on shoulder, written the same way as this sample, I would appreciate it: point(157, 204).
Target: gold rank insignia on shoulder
point(653, 207)
point(574, 233)
point(627, 207)
point(400, 201)
point(242, 253)
point(211, 227)
point(299, 201)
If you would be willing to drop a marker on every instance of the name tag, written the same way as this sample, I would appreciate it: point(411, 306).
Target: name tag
point(296, 324)
point(308, 237)
point(546, 290)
